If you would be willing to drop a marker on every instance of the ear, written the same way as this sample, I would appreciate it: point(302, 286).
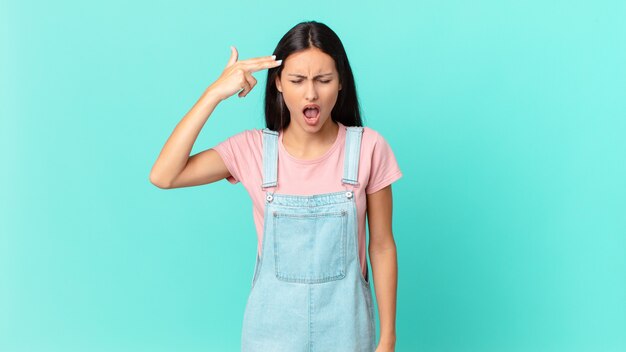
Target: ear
point(278, 84)
point(339, 86)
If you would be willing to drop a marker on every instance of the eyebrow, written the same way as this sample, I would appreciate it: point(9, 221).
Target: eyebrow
point(301, 76)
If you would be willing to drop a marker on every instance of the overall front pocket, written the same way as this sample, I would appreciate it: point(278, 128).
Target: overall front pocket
point(310, 248)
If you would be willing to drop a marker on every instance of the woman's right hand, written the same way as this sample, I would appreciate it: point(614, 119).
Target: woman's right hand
point(237, 76)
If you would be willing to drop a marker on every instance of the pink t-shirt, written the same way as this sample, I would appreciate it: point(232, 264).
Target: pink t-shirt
point(242, 153)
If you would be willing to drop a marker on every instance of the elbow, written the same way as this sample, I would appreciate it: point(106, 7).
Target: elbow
point(384, 245)
point(159, 182)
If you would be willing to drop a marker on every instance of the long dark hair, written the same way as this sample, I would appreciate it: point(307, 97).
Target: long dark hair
point(301, 37)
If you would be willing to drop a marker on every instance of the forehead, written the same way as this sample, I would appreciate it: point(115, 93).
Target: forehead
point(309, 61)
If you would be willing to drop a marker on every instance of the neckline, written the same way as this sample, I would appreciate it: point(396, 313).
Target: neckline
point(341, 131)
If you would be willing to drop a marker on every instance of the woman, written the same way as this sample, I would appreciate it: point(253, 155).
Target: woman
point(313, 174)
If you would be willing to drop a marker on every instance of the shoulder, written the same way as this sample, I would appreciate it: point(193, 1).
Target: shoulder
point(370, 133)
point(380, 160)
point(249, 137)
point(248, 134)
point(374, 145)
point(241, 144)
point(371, 138)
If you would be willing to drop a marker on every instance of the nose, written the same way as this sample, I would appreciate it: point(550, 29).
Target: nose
point(311, 92)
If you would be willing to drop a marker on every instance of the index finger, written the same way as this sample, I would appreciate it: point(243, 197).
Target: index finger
point(259, 59)
point(257, 66)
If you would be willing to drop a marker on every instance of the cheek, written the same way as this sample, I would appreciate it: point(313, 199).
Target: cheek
point(288, 97)
point(329, 93)
point(291, 100)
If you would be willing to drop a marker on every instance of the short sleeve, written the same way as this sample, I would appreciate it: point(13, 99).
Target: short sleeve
point(226, 149)
point(384, 167)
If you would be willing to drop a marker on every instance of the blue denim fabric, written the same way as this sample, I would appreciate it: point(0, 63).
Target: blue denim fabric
point(308, 292)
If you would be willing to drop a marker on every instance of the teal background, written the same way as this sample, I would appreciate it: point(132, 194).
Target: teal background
point(508, 120)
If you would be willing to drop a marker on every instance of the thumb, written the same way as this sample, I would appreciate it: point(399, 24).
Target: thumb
point(233, 56)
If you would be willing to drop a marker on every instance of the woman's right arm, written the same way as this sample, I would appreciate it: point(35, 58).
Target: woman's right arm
point(174, 167)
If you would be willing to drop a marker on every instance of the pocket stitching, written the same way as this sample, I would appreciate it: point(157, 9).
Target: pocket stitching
point(342, 251)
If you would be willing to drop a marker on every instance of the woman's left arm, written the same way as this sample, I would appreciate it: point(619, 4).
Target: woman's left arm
point(383, 257)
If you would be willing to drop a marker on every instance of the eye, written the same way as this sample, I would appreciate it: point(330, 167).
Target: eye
point(296, 82)
point(326, 81)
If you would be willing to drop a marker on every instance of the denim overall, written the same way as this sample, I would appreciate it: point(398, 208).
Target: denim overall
point(308, 292)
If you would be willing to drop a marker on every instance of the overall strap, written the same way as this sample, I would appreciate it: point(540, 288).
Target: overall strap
point(351, 155)
point(270, 158)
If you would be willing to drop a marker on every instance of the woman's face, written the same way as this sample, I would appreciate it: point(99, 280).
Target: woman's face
point(309, 78)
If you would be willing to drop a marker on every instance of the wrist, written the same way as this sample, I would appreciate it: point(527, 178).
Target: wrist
point(211, 95)
point(388, 340)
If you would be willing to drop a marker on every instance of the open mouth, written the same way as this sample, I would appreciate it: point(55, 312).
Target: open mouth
point(311, 112)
